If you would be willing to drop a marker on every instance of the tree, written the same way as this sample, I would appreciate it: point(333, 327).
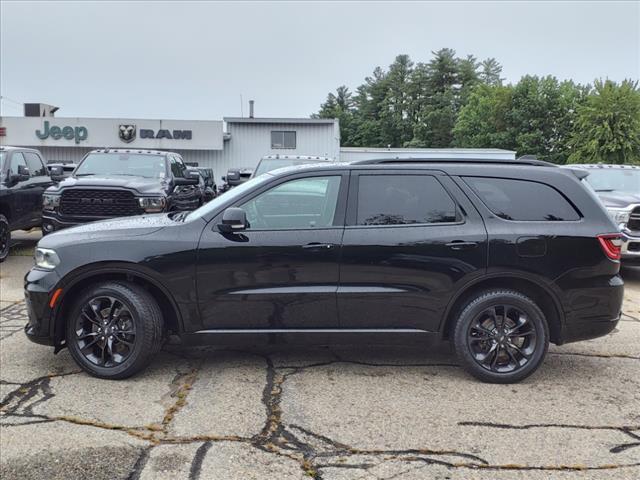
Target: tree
point(339, 105)
point(490, 73)
point(607, 128)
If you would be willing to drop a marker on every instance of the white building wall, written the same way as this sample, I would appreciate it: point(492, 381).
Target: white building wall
point(249, 142)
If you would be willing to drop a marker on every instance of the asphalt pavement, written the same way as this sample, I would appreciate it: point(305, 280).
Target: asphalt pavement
point(286, 412)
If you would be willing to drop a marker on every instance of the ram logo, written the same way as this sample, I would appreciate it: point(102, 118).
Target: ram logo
point(127, 133)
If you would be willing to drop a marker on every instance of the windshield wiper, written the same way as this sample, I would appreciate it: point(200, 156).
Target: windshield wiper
point(83, 174)
point(605, 190)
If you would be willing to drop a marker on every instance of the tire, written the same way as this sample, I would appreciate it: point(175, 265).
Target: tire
point(5, 238)
point(496, 348)
point(128, 341)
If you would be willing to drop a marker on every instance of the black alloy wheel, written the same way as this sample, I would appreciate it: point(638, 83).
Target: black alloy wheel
point(502, 339)
point(5, 238)
point(105, 331)
point(501, 336)
point(114, 329)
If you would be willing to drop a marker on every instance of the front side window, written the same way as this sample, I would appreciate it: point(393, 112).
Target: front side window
point(283, 139)
point(522, 199)
point(128, 164)
point(297, 204)
point(36, 167)
point(402, 200)
point(17, 160)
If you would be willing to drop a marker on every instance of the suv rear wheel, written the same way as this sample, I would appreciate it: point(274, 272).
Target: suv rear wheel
point(114, 329)
point(501, 336)
point(5, 238)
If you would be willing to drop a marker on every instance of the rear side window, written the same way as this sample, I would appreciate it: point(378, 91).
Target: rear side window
point(403, 199)
point(522, 200)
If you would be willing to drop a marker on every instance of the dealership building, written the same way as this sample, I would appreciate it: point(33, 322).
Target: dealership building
point(217, 144)
point(234, 142)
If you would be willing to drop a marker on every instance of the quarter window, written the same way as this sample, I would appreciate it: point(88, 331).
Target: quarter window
point(297, 204)
point(403, 199)
point(522, 199)
point(36, 167)
point(283, 139)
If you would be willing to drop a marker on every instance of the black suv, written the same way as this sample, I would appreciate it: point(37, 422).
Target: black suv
point(499, 257)
point(116, 183)
point(618, 186)
point(23, 178)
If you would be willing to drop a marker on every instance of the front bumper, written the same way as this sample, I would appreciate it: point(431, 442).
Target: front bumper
point(38, 286)
point(630, 246)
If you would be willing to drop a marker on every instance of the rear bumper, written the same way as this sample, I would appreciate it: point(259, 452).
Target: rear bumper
point(592, 310)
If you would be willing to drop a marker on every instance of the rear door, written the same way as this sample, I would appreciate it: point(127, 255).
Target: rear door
point(412, 239)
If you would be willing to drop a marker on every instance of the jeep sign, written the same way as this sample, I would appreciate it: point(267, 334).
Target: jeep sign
point(69, 133)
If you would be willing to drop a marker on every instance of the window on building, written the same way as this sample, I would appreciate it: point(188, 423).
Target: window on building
point(522, 200)
point(403, 199)
point(283, 139)
point(36, 167)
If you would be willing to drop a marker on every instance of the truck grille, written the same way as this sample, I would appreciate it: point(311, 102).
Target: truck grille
point(634, 220)
point(99, 203)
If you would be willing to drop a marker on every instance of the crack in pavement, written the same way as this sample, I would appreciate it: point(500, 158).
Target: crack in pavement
point(598, 355)
point(626, 429)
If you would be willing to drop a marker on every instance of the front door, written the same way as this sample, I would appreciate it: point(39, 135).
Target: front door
point(412, 239)
point(282, 272)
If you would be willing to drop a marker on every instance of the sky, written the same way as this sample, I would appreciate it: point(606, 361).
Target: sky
point(196, 60)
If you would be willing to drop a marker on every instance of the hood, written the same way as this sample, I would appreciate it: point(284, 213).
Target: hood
point(115, 228)
point(618, 199)
point(142, 185)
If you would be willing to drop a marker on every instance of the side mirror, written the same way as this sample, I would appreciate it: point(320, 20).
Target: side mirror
point(56, 173)
point(23, 174)
point(233, 220)
point(190, 178)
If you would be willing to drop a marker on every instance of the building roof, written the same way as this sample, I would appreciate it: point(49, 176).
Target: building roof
point(317, 121)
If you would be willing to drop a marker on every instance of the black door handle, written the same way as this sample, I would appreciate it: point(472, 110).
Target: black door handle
point(461, 245)
point(318, 246)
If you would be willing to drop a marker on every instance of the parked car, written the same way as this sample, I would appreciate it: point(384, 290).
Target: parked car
point(273, 162)
point(115, 182)
point(618, 186)
point(210, 187)
point(61, 170)
point(235, 177)
point(501, 258)
point(23, 179)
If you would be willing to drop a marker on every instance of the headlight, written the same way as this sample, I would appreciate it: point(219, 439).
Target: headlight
point(619, 215)
point(152, 204)
point(50, 201)
point(46, 258)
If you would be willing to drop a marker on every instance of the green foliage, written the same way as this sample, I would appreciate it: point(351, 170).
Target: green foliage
point(608, 125)
point(452, 101)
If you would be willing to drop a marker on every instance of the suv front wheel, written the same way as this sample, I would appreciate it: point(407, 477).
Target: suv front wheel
point(114, 329)
point(5, 238)
point(501, 336)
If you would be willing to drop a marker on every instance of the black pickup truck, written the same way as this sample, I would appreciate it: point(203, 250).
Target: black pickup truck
point(23, 179)
point(618, 187)
point(113, 182)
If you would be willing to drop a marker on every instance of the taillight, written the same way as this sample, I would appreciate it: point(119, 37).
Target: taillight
point(611, 244)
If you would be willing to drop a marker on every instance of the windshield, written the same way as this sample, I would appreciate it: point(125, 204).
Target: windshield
point(625, 180)
point(132, 164)
point(228, 197)
point(269, 164)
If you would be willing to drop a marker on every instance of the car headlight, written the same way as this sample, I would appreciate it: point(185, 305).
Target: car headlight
point(152, 204)
point(50, 201)
point(619, 215)
point(46, 258)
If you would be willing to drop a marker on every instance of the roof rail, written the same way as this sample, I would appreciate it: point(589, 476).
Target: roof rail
point(519, 161)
